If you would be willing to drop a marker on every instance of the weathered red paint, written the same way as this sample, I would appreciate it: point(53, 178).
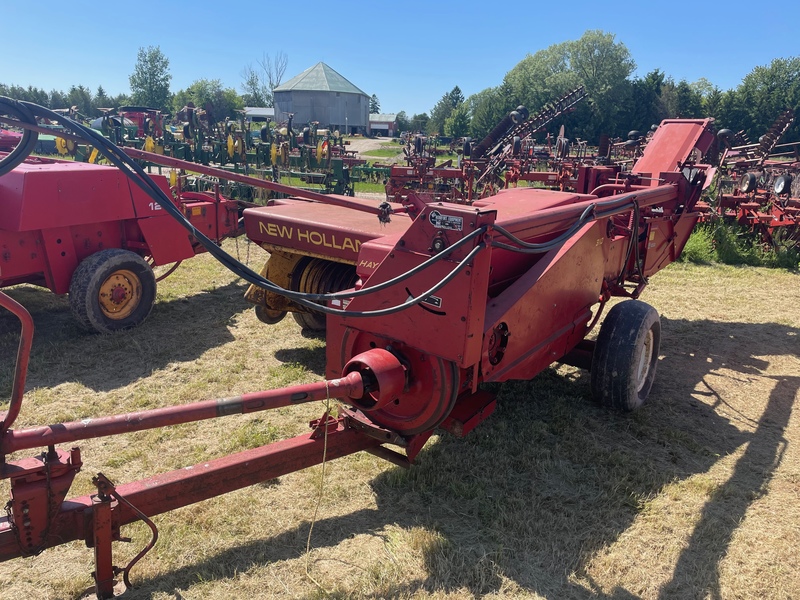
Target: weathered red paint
point(55, 213)
point(499, 315)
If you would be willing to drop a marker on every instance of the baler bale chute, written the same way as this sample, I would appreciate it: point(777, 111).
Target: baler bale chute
point(436, 299)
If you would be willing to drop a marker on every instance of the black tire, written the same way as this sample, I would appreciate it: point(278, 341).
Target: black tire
point(625, 356)
point(748, 183)
point(783, 185)
point(29, 138)
point(112, 290)
point(311, 321)
point(268, 315)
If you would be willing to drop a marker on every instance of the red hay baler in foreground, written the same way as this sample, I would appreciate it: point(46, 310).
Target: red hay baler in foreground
point(425, 308)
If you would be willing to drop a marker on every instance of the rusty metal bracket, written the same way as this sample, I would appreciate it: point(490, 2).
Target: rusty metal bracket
point(356, 420)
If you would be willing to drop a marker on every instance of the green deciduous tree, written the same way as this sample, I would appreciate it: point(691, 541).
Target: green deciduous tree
point(209, 95)
point(597, 62)
point(767, 91)
point(401, 121)
point(457, 124)
point(150, 79)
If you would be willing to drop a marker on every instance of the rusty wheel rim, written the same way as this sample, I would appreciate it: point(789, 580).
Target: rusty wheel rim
point(120, 294)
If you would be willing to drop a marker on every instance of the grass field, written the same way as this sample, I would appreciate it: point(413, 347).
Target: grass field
point(695, 496)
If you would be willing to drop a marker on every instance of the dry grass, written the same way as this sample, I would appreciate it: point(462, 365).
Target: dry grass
point(695, 496)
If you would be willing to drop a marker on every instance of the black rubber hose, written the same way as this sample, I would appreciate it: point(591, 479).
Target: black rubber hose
point(9, 106)
point(135, 172)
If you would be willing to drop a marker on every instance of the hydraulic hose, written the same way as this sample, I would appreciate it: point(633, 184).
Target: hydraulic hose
point(27, 112)
point(8, 106)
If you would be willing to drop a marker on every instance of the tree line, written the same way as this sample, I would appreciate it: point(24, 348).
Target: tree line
point(616, 102)
point(150, 86)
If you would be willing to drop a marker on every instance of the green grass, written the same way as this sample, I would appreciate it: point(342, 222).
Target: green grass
point(730, 244)
point(551, 497)
point(383, 152)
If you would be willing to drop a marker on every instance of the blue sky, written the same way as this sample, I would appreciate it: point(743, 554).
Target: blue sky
point(407, 53)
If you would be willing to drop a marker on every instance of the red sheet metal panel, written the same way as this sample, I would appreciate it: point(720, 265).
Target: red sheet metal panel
point(671, 145)
point(167, 241)
point(61, 194)
point(319, 229)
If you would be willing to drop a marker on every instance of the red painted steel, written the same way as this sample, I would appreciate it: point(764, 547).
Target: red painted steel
point(56, 213)
point(182, 487)
point(332, 199)
point(23, 358)
point(519, 294)
point(349, 386)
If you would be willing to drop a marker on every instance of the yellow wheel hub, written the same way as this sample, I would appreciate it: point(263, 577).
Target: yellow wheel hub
point(322, 150)
point(120, 294)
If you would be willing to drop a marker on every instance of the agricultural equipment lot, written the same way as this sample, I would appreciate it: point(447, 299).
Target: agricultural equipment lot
point(696, 495)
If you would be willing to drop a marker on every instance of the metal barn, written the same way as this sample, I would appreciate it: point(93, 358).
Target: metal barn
point(321, 94)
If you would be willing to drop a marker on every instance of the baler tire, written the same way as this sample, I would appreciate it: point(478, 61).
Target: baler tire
point(112, 269)
point(625, 356)
point(268, 315)
point(311, 321)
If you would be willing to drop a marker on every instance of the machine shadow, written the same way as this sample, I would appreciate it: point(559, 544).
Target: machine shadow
point(551, 479)
point(62, 351)
point(697, 572)
point(312, 359)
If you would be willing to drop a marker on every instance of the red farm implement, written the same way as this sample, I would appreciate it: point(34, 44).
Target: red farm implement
point(422, 303)
point(505, 156)
point(83, 229)
point(759, 184)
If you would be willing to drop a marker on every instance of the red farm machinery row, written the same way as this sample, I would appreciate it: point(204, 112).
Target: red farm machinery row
point(422, 303)
point(509, 154)
point(759, 184)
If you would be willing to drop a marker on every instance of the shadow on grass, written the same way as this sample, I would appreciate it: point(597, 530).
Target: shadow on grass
point(62, 351)
point(550, 480)
point(312, 359)
point(697, 572)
